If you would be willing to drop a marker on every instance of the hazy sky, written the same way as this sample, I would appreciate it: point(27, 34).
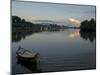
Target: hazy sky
point(32, 11)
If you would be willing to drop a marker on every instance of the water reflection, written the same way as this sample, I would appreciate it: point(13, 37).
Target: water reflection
point(74, 34)
point(70, 53)
point(32, 66)
point(19, 34)
point(88, 35)
point(85, 35)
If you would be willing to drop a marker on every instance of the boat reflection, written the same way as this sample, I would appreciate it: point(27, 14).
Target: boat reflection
point(33, 66)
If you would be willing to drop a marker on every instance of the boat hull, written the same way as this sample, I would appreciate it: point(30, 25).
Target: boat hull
point(32, 59)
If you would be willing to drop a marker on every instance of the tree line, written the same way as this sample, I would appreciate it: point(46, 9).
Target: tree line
point(18, 22)
point(88, 25)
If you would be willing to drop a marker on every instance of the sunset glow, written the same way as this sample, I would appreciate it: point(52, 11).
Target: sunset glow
point(74, 21)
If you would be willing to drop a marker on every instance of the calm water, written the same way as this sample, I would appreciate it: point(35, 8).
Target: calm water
point(59, 51)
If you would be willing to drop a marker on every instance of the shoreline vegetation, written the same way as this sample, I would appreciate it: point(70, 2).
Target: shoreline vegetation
point(17, 22)
point(88, 29)
point(88, 25)
point(22, 28)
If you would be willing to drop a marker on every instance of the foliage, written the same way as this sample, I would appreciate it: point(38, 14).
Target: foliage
point(88, 25)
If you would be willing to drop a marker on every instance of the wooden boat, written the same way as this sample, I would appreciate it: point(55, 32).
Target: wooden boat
point(26, 54)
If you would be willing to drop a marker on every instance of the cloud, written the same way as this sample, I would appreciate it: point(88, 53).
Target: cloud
point(30, 18)
point(74, 21)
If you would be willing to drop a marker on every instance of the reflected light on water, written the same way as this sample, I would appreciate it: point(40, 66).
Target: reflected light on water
point(74, 34)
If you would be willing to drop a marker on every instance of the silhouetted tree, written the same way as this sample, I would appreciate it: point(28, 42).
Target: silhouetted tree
point(87, 29)
point(23, 21)
point(22, 28)
point(88, 25)
point(16, 19)
point(92, 22)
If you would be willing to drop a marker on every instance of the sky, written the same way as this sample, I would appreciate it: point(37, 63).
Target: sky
point(66, 14)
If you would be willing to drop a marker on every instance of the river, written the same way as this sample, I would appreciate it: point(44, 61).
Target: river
point(62, 50)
